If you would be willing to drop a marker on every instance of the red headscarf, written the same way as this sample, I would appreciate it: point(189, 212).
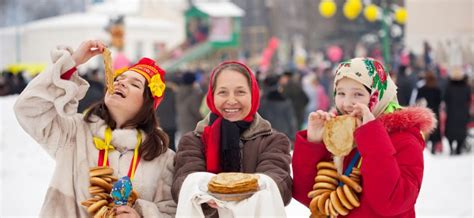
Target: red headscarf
point(212, 133)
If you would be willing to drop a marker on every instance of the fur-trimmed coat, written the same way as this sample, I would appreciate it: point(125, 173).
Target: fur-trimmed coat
point(391, 148)
point(47, 111)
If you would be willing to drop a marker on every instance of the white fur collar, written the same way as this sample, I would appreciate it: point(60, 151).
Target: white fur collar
point(122, 139)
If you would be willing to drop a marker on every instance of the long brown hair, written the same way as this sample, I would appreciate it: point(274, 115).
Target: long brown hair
point(431, 80)
point(156, 142)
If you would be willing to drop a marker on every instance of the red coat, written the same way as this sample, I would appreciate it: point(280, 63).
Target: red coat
point(392, 166)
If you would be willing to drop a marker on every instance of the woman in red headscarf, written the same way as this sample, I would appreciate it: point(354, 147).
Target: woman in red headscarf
point(234, 137)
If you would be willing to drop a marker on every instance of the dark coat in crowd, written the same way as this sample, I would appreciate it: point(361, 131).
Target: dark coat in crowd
point(458, 99)
point(405, 86)
point(432, 95)
point(94, 93)
point(298, 98)
point(188, 102)
point(166, 114)
point(277, 109)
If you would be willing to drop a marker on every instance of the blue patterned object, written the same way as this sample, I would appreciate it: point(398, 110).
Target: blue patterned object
point(121, 191)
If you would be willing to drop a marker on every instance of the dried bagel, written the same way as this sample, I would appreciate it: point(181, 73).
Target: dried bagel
point(334, 194)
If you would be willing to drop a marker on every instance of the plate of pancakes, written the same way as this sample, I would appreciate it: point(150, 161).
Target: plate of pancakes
point(232, 186)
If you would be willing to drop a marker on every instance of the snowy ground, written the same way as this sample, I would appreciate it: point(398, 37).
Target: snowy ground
point(26, 170)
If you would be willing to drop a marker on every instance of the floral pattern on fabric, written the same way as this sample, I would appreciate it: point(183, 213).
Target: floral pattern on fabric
point(373, 75)
point(380, 79)
point(157, 86)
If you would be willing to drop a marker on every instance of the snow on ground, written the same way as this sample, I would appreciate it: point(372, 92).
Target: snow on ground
point(26, 170)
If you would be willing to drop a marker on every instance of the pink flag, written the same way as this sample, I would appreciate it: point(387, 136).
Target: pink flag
point(120, 61)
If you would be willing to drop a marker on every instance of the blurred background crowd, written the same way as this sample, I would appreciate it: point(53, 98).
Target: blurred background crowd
point(292, 46)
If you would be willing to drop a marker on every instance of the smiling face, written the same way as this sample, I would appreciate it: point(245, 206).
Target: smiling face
point(127, 98)
point(349, 92)
point(232, 95)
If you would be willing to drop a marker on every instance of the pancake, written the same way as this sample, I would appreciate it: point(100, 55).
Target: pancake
point(339, 134)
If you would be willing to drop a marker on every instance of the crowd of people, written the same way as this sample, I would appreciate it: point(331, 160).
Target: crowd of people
point(288, 97)
point(180, 129)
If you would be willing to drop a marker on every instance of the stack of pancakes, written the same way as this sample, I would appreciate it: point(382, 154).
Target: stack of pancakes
point(233, 183)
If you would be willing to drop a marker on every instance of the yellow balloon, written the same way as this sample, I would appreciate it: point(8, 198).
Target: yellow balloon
point(350, 10)
point(355, 1)
point(356, 5)
point(401, 15)
point(371, 12)
point(327, 8)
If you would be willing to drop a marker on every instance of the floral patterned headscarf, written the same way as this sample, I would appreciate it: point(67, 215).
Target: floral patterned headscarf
point(372, 74)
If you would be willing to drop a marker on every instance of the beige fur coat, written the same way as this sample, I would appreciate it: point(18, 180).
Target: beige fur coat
point(47, 111)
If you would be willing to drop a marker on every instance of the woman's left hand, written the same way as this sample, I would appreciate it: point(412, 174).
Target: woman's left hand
point(125, 212)
point(362, 112)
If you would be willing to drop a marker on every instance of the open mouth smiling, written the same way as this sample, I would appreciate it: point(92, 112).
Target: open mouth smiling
point(119, 93)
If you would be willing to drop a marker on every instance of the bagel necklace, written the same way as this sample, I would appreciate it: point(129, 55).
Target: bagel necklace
point(102, 180)
point(334, 194)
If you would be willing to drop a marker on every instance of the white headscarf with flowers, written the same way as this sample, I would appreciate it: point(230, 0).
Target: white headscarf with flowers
point(372, 74)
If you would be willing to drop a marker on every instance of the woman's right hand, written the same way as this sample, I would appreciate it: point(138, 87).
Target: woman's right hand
point(87, 50)
point(212, 204)
point(316, 122)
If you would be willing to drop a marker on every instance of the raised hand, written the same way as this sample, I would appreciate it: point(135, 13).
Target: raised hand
point(87, 50)
point(316, 122)
point(362, 112)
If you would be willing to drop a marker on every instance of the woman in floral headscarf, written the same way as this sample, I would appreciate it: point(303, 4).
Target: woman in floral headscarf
point(388, 146)
point(233, 137)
